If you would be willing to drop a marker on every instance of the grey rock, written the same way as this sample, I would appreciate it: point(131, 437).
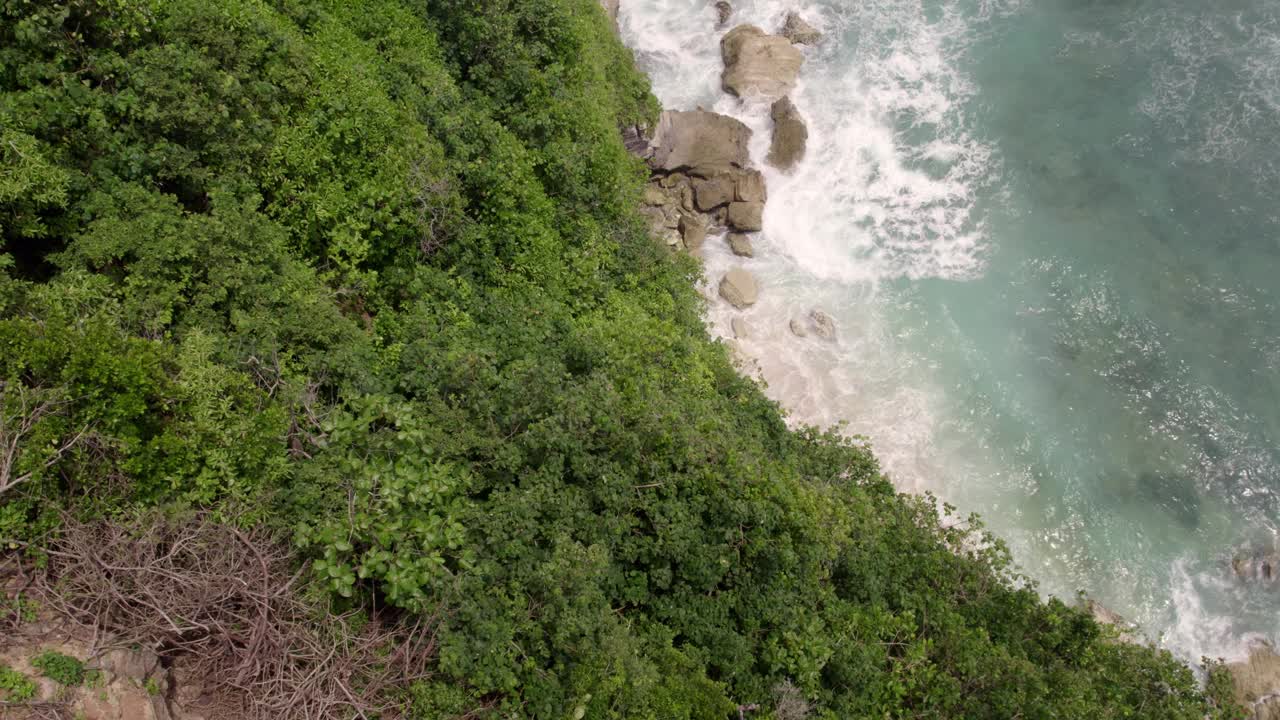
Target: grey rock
point(750, 187)
point(798, 328)
point(739, 288)
point(656, 218)
point(723, 11)
point(635, 138)
point(1268, 709)
point(674, 180)
point(701, 143)
point(711, 193)
point(824, 326)
point(657, 196)
point(693, 231)
point(671, 217)
point(757, 64)
point(800, 32)
point(686, 198)
point(1257, 678)
point(739, 327)
point(137, 665)
point(746, 216)
point(790, 135)
point(1104, 615)
point(1258, 566)
point(740, 244)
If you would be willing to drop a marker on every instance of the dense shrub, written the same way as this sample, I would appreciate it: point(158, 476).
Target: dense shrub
point(371, 272)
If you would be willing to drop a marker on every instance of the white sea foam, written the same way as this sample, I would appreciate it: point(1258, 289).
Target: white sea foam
point(886, 191)
point(1195, 631)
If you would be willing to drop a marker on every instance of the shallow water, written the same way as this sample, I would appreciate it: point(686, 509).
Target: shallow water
point(1048, 234)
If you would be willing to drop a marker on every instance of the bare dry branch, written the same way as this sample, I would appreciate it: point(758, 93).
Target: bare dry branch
point(222, 605)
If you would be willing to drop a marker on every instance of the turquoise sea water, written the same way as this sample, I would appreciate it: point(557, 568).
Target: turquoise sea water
point(1049, 231)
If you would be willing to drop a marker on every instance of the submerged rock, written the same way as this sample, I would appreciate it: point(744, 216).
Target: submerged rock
point(790, 135)
point(824, 326)
point(1254, 565)
point(740, 244)
point(723, 11)
point(800, 32)
point(739, 327)
point(739, 288)
point(1173, 492)
point(819, 323)
point(757, 64)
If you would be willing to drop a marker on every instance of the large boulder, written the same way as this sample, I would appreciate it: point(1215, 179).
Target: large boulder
point(711, 193)
point(746, 216)
point(798, 31)
point(1257, 680)
point(739, 288)
point(757, 64)
point(790, 135)
point(700, 143)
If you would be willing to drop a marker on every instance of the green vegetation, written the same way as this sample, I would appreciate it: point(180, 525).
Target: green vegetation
point(14, 686)
point(60, 668)
point(370, 273)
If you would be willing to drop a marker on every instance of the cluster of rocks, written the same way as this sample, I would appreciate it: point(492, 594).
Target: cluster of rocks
point(1257, 565)
point(702, 177)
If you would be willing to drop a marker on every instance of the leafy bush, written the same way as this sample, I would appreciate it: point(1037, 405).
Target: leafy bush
point(60, 668)
point(16, 687)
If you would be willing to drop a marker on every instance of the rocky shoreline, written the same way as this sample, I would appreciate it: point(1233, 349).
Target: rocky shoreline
point(704, 183)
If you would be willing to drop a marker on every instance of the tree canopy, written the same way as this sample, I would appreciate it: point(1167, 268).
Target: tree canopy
point(370, 273)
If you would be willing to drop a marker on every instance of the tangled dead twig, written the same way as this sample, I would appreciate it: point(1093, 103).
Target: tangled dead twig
point(35, 710)
point(224, 605)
